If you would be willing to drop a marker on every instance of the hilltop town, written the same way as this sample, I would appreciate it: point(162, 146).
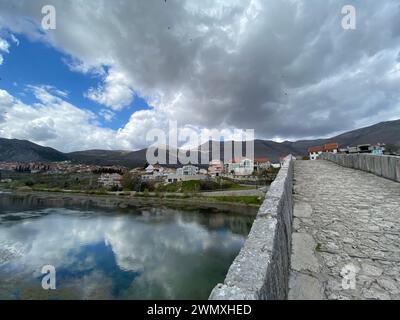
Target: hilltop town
point(237, 173)
point(66, 175)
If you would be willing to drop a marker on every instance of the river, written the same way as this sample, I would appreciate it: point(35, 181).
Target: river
point(141, 252)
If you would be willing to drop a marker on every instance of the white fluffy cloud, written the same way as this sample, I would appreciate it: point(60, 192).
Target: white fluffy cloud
point(285, 68)
point(4, 45)
point(52, 122)
point(114, 93)
point(108, 115)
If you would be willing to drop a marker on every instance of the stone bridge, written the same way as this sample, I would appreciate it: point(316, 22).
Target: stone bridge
point(325, 231)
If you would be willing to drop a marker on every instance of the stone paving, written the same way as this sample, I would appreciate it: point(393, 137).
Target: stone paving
point(346, 240)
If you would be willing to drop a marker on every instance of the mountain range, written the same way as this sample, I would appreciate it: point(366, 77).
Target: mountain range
point(13, 150)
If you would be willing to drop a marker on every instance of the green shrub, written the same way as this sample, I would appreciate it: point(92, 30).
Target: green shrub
point(241, 199)
point(29, 183)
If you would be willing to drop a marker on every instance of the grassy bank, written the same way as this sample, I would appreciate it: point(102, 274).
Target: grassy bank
point(187, 197)
point(249, 200)
point(197, 186)
point(86, 184)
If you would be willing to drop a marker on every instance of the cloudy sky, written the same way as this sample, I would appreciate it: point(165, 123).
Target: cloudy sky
point(113, 70)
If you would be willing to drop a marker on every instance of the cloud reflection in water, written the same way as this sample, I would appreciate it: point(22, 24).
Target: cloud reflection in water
point(151, 254)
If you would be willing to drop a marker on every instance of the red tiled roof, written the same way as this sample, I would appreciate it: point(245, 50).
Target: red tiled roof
point(331, 146)
point(326, 148)
point(316, 149)
point(261, 160)
point(238, 159)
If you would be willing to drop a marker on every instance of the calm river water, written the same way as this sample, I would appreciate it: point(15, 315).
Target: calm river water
point(138, 253)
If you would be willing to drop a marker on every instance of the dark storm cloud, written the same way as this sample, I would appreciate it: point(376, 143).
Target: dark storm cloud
point(285, 68)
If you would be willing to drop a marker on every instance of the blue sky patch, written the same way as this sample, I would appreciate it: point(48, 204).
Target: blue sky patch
point(36, 63)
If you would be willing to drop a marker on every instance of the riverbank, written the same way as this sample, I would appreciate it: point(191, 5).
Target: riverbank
point(122, 201)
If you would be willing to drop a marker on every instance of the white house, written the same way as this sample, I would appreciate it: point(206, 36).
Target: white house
point(331, 147)
point(215, 168)
point(261, 164)
point(315, 152)
point(110, 180)
point(187, 171)
point(155, 169)
point(150, 169)
point(240, 167)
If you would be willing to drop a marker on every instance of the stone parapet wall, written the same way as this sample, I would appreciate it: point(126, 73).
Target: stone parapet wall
point(261, 270)
point(383, 166)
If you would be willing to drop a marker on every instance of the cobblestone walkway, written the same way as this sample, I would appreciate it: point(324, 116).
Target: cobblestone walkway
point(346, 240)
